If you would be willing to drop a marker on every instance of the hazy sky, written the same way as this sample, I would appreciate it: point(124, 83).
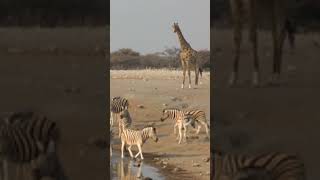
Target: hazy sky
point(145, 25)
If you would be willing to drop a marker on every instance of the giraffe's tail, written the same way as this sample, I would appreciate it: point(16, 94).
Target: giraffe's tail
point(200, 71)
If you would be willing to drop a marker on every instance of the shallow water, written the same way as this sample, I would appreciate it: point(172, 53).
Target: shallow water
point(125, 169)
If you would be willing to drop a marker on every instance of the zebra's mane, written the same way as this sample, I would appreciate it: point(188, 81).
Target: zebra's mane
point(149, 125)
point(172, 108)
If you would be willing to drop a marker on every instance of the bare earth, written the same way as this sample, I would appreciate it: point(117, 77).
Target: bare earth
point(154, 89)
point(67, 88)
point(271, 118)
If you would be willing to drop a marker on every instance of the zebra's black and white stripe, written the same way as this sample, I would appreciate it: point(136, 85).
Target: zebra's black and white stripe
point(117, 105)
point(272, 166)
point(137, 137)
point(19, 147)
point(37, 125)
point(198, 116)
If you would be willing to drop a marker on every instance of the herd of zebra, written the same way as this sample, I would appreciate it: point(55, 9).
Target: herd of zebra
point(182, 119)
point(227, 166)
point(29, 141)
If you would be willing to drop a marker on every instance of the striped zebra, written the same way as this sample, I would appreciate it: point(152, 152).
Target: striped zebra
point(124, 120)
point(38, 126)
point(117, 105)
point(271, 166)
point(137, 137)
point(19, 147)
point(198, 115)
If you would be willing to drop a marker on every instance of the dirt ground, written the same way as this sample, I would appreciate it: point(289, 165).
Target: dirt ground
point(271, 118)
point(68, 88)
point(156, 90)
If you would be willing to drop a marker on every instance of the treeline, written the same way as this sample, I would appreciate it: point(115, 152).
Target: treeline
point(53, 13)
point(169, 58)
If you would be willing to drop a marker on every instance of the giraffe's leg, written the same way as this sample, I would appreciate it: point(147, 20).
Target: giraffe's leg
point(189, 73)
point(254, 41)
point(196, 71)
point(275, 36)
point(237, 38)
point(184, 73)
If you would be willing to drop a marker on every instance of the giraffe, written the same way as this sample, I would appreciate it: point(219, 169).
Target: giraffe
point(188, 57)
point(248, 11)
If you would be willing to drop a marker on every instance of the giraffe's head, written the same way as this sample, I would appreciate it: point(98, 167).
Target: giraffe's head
point(175, 27)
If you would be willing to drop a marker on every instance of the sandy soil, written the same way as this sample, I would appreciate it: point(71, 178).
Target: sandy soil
point(282, 118)
point(153, 89)
point(42, 82)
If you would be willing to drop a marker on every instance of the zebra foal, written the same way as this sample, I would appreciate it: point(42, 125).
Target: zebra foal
point(137, 137)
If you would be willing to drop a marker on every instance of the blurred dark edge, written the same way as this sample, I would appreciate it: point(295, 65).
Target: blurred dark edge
point(47, 14)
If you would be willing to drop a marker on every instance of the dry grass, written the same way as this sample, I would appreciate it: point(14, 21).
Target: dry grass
point(160, 74)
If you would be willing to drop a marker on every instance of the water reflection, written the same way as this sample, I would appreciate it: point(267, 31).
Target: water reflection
point(124, 169)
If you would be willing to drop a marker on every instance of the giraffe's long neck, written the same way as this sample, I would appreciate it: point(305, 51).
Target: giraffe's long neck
point(183, 43)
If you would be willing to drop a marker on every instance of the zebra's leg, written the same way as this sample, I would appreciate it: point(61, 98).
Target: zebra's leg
point(198, 130)
point(185, 133)
point(180, 134)
point(140, 151)
point(174, 129)
point(179, 129)
point(129, 149)
point(207, 129)
point(122, 148)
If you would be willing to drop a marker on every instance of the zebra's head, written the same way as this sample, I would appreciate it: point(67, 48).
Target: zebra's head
point(48, 164)
point(165, 114)
point(188, 119)
point(152, 132)
point(125, 116)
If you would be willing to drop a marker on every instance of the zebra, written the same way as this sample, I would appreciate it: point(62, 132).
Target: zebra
point(125, 120)
point(117, 105)
point(198, 115)
point(37, 125)
point(271, 166)
point(19, 147)
point(137, 137)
